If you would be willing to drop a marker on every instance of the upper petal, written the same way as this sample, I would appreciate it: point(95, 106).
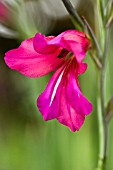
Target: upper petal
point(71, 40)
point(30, 63)
point(77, 42)
point(41, 44)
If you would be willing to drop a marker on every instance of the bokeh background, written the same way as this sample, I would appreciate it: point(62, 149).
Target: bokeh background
point(26, 141)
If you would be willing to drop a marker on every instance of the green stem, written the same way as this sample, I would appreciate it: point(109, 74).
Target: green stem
point(96, 60)
point(73, 13)
point(109, 110)
point(103, 124)
point(101, 18)
point(101, 128)
point(93, 37)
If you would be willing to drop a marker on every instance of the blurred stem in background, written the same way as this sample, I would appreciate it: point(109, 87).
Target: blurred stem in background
point(105, 22)
point(77, 21)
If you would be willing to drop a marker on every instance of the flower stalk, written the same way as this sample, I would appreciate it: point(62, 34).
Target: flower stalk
point(101, 130)
point(103, 124)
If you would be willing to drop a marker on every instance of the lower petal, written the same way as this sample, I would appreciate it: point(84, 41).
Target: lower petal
point(75, 96)
point(45, 100)
point(63, 100)
point(67, 114)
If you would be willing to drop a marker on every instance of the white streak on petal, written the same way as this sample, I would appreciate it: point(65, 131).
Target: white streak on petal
point(56, 86)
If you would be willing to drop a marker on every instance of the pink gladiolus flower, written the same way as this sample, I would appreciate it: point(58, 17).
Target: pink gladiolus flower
point(62, 99)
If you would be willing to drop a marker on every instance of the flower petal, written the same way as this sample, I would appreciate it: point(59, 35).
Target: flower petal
point(67, 114)
point(78, 101)
point(77, 42)
point(41, 45)
point(30, 63)
point(46, 98)
point(82, 68)
point(71, 40)
point(62, 98)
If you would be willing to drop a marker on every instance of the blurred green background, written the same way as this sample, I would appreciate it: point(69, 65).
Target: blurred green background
point(26, 141)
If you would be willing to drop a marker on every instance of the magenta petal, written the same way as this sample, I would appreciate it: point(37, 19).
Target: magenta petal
point(44, 100)
point(77, 42)
point(62, 98)
point(73, 105)
point(71, 40)
point(78, 101)
point(67, 114)
point(30, 63)
point(82, 68)
point(41, 44)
